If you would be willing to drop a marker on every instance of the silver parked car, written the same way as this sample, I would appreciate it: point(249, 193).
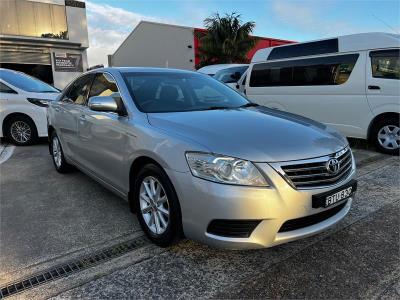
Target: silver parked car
point(194, 157)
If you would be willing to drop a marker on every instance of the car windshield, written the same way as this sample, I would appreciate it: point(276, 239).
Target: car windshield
point(26, 83)
point(230, 75)
point(175, 92)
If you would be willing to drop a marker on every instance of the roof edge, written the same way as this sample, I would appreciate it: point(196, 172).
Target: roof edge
point(141, 22)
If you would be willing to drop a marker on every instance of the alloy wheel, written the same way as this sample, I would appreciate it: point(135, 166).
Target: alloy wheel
point(57, 154)
point(154, 205)
point(21, 132)
point(389, 137)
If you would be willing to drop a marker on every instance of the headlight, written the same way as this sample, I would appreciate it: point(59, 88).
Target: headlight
point(39, 102)
point(224, 169)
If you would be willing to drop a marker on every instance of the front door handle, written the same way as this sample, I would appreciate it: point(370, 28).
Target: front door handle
point(373, 87)
point(82, 117)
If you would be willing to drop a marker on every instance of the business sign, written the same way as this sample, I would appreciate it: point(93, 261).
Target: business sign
point(67, 62)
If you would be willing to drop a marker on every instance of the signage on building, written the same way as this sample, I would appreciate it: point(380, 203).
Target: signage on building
point(67, 62)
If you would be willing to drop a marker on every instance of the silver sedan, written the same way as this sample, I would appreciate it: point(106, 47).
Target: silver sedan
point(195, 158)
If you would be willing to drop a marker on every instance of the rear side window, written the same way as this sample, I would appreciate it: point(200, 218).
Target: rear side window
point(6, 89)
point(103, 85)
point(78, 91)
point(385, 64)
point(331, 70)
point(305, 49)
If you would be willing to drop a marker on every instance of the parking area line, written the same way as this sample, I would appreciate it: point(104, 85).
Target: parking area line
point(6, 152)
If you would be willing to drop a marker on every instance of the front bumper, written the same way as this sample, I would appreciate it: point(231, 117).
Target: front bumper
point(203, 201)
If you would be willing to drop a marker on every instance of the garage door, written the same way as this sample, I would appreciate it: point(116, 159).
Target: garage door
point(22, 57)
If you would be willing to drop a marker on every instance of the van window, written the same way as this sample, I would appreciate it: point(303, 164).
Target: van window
point(385, 64)
point(305, 49)
point(331, 70)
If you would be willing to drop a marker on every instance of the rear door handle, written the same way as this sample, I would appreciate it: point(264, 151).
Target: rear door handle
point(373, 87)
point(82, 117)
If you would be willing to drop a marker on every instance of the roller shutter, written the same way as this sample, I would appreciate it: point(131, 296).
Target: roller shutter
point(24, 57)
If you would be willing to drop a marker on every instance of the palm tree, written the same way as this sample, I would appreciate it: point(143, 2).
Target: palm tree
point(227, 40)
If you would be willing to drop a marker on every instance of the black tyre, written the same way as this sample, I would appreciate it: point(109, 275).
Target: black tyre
point(386, 135)
point(21, 131)
point(58, 155)
point(157, 205)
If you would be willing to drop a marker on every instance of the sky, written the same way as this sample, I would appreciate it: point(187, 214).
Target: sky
point(110, 21)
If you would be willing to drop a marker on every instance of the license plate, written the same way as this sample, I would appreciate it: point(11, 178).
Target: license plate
point(329, 198)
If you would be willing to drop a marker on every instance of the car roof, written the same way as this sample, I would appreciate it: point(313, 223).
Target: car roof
point(141, 70)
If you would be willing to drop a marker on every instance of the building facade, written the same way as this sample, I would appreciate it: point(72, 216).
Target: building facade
point(153, 44)
point(44, 38)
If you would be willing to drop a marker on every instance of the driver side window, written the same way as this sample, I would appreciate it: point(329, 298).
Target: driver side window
point(103, 85)
point(77, 92)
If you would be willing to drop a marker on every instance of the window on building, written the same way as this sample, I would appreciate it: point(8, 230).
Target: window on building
point(28, 18)
point(330, 70)
point(385, 64)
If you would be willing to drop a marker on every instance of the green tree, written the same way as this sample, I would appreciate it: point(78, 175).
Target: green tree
point(227, 40)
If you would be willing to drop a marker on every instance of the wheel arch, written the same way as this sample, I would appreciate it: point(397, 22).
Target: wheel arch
point(10, 116)
point(377, 119)
point(136, 165)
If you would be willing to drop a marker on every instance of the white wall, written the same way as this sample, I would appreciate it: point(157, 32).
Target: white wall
point(77, 26)
point(77, 33)
point(156, 45)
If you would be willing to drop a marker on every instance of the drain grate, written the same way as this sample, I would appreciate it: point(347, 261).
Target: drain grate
point(73, 266)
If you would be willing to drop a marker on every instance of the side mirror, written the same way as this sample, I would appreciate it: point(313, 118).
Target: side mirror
point(103, 103)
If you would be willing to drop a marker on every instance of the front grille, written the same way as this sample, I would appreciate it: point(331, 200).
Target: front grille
point(314, 173)
point(232, 228)
point(311, 220)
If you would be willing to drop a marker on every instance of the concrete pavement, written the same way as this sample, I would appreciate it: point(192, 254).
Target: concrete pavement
point(47, 218)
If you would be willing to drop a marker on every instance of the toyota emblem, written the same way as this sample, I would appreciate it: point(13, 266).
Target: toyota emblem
point(332, 166)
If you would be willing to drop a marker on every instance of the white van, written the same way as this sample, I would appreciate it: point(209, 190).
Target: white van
point(350, 82)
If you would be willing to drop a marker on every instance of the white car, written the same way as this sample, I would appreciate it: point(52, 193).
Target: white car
point(348, 82)
point(213, 69)
point(232, 75)
point(23, 105)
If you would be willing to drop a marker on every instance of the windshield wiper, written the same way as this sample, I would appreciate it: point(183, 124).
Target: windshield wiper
point(249, 104)
point(217, 107)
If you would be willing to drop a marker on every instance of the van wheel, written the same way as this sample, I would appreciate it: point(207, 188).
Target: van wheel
point(21, 131)
point(386, 135)
point(58, 155)
point(157, 206)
